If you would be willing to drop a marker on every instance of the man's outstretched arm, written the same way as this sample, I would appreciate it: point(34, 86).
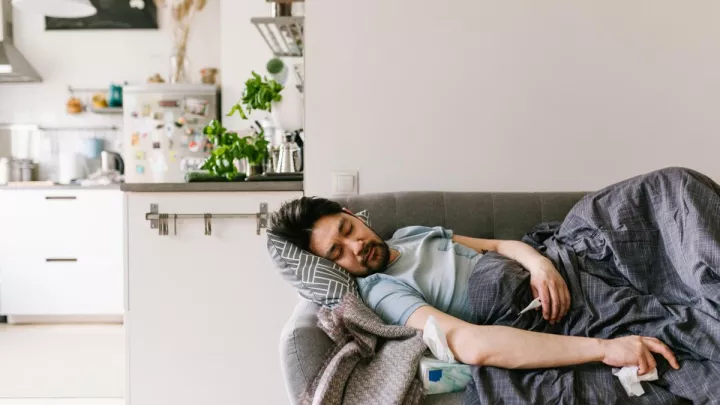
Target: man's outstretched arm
point(506, 347)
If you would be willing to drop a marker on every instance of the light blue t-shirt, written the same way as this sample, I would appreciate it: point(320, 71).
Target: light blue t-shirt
point(431, 270)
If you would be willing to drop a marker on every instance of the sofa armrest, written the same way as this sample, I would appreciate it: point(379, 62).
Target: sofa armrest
point(303, 347)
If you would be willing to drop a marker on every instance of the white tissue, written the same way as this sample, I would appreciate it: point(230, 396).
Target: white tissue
point(434, 338)
point(443, 373)
point(630, 379)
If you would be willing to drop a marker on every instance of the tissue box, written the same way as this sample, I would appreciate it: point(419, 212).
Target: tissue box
point(439, 377)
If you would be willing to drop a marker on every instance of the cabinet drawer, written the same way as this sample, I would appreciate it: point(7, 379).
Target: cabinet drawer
point(66, 222)
point(60, 286)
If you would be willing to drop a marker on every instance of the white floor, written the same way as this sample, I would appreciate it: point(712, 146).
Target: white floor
point(62, 365)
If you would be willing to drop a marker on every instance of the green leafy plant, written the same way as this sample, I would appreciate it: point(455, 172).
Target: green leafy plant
point(259, 94)
point(229, 146)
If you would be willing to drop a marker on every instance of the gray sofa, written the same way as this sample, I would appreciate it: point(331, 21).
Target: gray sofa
point(481, 215)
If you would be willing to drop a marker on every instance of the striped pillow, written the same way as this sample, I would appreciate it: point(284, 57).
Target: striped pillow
point(316, 279)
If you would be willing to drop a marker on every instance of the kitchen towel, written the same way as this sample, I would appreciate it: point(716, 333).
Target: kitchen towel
point(630, 379)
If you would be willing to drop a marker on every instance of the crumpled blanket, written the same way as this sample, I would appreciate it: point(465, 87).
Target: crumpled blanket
point(641, 257)
point(371, 362)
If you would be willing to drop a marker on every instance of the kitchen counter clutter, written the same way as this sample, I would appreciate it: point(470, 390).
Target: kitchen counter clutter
point(250, 186)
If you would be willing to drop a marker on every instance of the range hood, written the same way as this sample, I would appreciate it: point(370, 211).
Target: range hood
point(14, 68)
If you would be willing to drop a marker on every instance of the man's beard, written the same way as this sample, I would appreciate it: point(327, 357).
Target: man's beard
point(379, 261)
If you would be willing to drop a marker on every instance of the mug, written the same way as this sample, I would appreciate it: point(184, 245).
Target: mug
point(115, 98)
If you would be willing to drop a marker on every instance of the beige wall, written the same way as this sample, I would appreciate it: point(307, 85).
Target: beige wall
point(509, 95)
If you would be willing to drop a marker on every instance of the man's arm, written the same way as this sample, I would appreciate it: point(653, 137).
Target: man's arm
point(506, 347)
point(516, 250)
point(547, 283)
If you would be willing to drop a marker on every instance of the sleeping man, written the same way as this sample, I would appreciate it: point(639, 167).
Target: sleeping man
point(632, 269)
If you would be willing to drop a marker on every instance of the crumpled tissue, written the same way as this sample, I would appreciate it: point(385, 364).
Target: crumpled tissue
point(630, 379)
point(441, 373)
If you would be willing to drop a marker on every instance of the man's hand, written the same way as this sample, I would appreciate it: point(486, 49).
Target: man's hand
point(636, 351)
point(549, 286)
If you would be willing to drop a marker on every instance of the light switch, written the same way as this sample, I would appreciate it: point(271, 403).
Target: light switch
point(345, 183)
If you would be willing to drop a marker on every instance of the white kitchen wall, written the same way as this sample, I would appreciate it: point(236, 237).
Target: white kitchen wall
point(509, 95)
point(95, 58)
point(243, 50)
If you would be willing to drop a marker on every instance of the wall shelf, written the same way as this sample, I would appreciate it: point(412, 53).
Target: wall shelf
point(106, 110)
point(284, 35)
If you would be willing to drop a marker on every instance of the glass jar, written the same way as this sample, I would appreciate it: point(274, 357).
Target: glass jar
point(179, 66)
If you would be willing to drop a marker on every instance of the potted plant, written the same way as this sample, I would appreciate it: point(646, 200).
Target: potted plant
point(229, 148)
point(263, 94)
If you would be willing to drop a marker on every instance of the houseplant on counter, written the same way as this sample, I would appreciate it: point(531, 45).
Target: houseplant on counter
point(229, 149)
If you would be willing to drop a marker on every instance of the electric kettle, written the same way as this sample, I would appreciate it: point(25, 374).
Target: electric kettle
point(111, 161)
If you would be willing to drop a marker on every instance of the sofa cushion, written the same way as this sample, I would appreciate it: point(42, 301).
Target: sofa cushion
point(316, 279)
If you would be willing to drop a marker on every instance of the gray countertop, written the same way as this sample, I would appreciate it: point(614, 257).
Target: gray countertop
point(60, 187)
point(213, 187)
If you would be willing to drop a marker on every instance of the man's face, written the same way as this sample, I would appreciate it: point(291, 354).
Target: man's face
point(347, 241)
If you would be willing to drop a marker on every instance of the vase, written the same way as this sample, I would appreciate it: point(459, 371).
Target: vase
point(252, 169)
point(179, 66)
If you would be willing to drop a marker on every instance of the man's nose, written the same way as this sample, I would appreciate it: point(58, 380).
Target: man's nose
point(357, 246)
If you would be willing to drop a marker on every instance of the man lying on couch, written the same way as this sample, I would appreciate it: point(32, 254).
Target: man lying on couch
point(602, 252)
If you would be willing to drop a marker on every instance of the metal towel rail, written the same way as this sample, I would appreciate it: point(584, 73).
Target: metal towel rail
point(161, 221)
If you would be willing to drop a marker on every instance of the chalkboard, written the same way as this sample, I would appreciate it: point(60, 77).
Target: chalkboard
point(111, 14)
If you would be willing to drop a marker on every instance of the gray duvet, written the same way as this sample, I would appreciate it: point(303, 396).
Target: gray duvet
point(640, 257)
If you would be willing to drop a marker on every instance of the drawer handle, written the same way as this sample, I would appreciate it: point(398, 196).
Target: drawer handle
point(61, 260)
point(60, 197)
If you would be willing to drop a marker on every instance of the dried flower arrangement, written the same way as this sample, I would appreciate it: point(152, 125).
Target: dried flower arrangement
point(182, 13)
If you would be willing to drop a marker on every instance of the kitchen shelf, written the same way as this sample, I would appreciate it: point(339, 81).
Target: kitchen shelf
point(284, 35)
point(106, 110)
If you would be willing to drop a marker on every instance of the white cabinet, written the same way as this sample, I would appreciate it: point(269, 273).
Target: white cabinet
point(204, 312)
point(61, 252)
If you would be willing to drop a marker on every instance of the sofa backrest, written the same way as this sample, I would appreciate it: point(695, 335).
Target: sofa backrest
point(474, 214)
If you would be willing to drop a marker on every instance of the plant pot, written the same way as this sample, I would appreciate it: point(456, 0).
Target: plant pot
point(288, 113)
point(253, 169)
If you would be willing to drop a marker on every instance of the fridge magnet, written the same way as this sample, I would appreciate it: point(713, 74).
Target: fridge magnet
point(134, 139)
point(146, 110)
point(159, 126)
point(189, 131)
point(158, 116)
point(170, 143)
point(207, 146)
point(185, 140)
point(194, 146)
point(134, 114)
point(180, 122)
point(168, 103)
point(156, 145)
point(139, 169)
point(173, 156)
point(192, 121)
point(196, 107)
point(139, 155)
point(144, 135)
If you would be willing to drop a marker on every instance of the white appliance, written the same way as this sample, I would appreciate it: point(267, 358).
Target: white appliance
point(163, 130)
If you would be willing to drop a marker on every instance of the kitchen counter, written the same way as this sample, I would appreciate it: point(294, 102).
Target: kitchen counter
point(60, 187)
point(213, 187)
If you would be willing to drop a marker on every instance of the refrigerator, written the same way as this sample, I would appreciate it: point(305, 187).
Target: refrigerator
point(163, 130)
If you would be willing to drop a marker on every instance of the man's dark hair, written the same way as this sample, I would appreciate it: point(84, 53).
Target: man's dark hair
point(295, 219)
